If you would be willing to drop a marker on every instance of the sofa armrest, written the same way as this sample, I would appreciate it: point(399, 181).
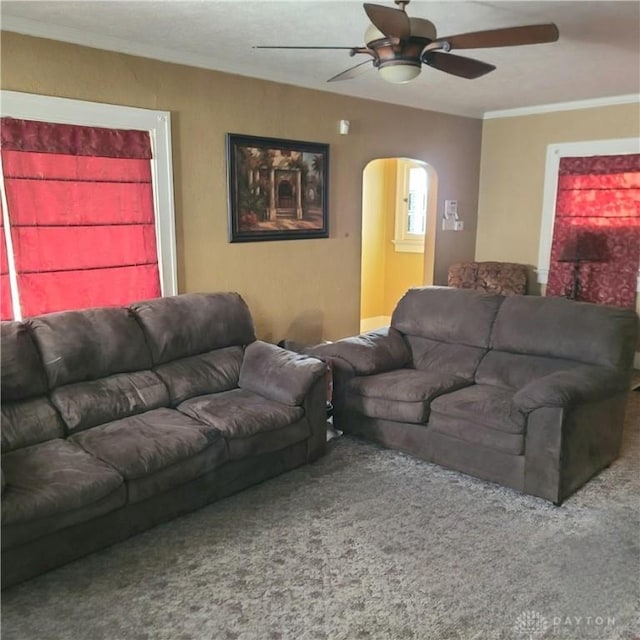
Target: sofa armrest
point(368, 353)
point(569, 388)
point(278, 374)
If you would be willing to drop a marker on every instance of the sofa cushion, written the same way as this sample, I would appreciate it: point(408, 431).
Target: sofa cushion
point(143, 446)
point(515, 370)
point(54, 478)
point(90, 344)
point(477, 434)
point(88, 404)
point(251, 423)
point(22, 373)
point(240, 413)
point(403, 395)
point(268, 441)
point(192, 323)
point(482, 404)
point(458, 316)
point(560, 328)
point(211, 372)
point(29, 422)
point(448, 359)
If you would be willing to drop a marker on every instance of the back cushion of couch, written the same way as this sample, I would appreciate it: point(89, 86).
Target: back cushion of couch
point(567, 330)
point(27, 415)
point(515, 370)
point(197, 341)
point(98, 366)
point(447, 329)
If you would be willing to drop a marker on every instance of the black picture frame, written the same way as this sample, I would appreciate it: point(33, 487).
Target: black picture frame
point(278, 189)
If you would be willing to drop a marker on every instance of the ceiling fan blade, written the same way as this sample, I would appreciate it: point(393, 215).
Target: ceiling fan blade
point(457, 65)
point(294, 47)
point(394, 23)
point(507, 37)
point(352, 72)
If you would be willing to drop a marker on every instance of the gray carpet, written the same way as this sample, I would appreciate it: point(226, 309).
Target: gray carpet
point(364, 544)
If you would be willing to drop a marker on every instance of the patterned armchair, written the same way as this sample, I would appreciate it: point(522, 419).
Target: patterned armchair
point(504, 278)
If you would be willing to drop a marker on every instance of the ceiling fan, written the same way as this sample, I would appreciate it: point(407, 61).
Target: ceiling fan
point(398, 45)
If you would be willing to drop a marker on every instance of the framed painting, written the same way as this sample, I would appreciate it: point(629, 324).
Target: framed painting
point(278, 189)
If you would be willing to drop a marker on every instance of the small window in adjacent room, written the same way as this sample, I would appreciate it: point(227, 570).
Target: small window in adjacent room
point(411, 207)
point(87, 205)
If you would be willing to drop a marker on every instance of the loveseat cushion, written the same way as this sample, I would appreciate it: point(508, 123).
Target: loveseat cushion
point(53, 485)
point(212, 372)
point(481, 404)
point(22, 374)
point(192, 323)
point(515, 370)
point(87, 404)
point(560, 328)
point(457, 316)
point(251, 423)
point(477, 434)
point(457, 360)
point(154, 451)
point(89, 344)
point(402, 395)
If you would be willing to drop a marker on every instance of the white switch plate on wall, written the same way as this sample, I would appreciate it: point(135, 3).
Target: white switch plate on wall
point(452, 225)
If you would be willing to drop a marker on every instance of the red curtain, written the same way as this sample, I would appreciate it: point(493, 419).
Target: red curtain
point(598, 200)
point(6, 308)
point(80, 204)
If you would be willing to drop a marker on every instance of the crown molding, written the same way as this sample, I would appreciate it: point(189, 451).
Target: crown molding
point(591, 103)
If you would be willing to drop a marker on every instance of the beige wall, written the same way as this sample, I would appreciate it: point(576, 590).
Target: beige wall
point(303, 290)
point(512, 174)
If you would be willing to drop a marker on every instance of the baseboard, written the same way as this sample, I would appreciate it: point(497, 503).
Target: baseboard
point(369, 324)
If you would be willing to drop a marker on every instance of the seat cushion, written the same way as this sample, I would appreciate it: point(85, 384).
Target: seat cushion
point(252, 425)
point(403, 395)
point(477, 434)
point(240, 413)
point(55, 484)
point(156, 450)
point(482, 404)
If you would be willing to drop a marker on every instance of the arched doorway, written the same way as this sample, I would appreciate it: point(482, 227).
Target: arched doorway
point(398, 234)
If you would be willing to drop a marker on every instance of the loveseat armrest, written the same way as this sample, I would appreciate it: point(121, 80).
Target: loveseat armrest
point(368, 353)
point(569, 388)
point(278, 374)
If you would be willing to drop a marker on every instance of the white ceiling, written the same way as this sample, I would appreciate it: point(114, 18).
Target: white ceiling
point(596, 57)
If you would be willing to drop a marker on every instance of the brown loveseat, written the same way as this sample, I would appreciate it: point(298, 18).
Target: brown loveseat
point(116, 419)
point(525, 391)
point(502, 278)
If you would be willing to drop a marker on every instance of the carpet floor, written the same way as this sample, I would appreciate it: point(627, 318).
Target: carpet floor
point(364, 544)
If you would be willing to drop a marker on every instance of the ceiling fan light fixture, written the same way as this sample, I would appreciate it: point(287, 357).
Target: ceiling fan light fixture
point(400, 73)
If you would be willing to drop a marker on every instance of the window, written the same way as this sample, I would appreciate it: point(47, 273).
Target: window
point(87, 205)
point(411, 208)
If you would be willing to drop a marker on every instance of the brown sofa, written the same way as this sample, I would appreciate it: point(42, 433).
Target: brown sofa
point(114, 420)
point(503, 278)
point(525, 391)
